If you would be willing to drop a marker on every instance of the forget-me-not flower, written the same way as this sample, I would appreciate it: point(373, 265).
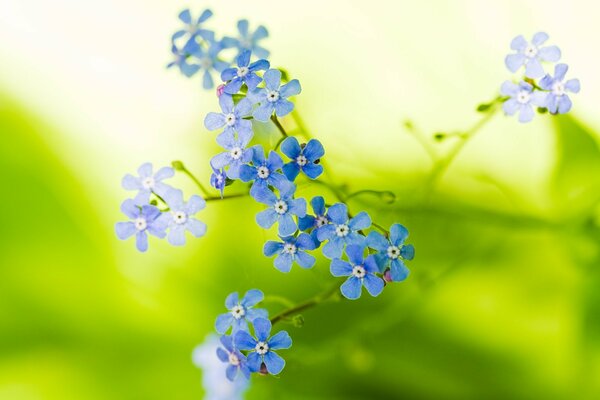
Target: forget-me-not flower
point(248, 40)
point(280, 209)
point(179, 218)
point(240, 311)
point(392, 251)
point(274, 96)
point(146, 182)
point(180, 60)
point(522, 99)
point(263, 171)
point(261, 348)
point(144, 220)
point(558, 101)
point(531, 55)
point(193, 28)
point(236, 155)
point(360, 272)
point(231, 117)
point(290, 250)
point(236, 361)
point(218, 180)
point(311, 223)
point(342, 231)
point(244, 73)
point(304, 158)
point(208, 60)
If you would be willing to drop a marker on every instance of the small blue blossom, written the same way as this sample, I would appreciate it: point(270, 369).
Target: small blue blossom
point(342, 231)
point(531, 55)
point(248, 40)
point(304, 158)
point(244, 73)
point(193, 29)
point(263, 171)
point(558, 101)
point(218, 180)
point(360, 272)
point(240, 312)
point(179, 217)
point(236, 155)
point(280, 209)
point(231, 117)
point(146, 182)
point(274, 96)
point(261, 348)
point(290, 250)
point(145, 219)
point(236, 360)
point(392, 251)
point(522, 99)
point(311, 223)
point(180, 60)
point(209, 61)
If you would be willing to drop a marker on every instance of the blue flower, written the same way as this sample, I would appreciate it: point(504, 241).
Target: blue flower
point(290, 250)
point(144, 219)
point(147, 182)
point(310, 223)
point(261, 348)
point(263, 171)
point(392, 251)
point(531, 54)
point(280, 210)
point(244, 73)
point(218, 180)
point(248, 40)
point(193, 29)
point(232, 117)
point(209, 61)
point(274, 96)
point(180, 60)
point(558, 100)
point(522, 99)
point(236, 155)
point(360, 271)
point(236, 360)
point(240, 312)
point(342, 231)
point(179, 217)
point(304, 158)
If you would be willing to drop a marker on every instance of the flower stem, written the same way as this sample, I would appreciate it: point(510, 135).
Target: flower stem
point(279, 126)
point(179, 166)
point(312, 302)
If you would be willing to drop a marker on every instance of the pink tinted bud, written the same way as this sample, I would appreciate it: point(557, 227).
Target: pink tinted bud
point(387, 276)
point(220, 89)
point(263, 369)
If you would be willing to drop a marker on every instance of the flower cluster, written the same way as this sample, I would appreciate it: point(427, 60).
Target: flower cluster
point(536, 88)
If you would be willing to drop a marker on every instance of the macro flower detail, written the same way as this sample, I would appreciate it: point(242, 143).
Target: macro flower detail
point(231, 117)
point(522, 99)
point(180, 60)
point(240, 312)
point(193, 28)
point(236, 360)
point(392, 251)
point(218, 180)
point(342, 230)
point(274, 96)
point(144, 219)
point(531, 55)
point(263, 171)
point(248, 40)
point(360, 272)
point(313, 222)
point(262, 347)
point(290, 250)
point(280, 209)
point(304, 158)
point(147, 182)
point(558, 101)
point(236, 155)
point(179, 217)
point(244, 73)
point(208, 61)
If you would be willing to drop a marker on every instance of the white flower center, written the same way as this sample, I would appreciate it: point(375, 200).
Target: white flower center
point(230, 119)
point(393, 252)
point(280, 207)
point(523, 97)
point(273, 96)
point(140, 223)
point(301, 160)
point(242, 71)
point(531, 51)
point(289, 248)
point(321, 220)
point(261, 348)
point(206, 63)
point(359, 271)
point(236, 153)
point(234, 360)
point(263, 172)
point(179, 217)
point(238, 311)
point(558, 89)
point(148, 183)
point(245, 43)
point(342, 230)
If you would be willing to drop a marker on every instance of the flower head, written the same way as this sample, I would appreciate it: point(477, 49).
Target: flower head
point(280, 209)
point(360, 272)
point(248, 40)
point(179, 218)
point(218, 180)
point(558, 101)
point(531, 54)
point(342, 230)
point(231, 117)
point(263, 171)
point(193, 28)
point(240, 312)
point(236, 361)
point(262, 347)
point(311, 223)
point(392, 251)
point(304, 158)
point(180, 60)
point(144, 219)
point(236, 155)
point(274, 96)
point(147, 182)
point(290, 250)
point(244, 73)
point(522, 99)
point(208, 61)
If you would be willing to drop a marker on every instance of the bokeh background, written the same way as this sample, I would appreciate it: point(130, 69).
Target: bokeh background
point(503, 299)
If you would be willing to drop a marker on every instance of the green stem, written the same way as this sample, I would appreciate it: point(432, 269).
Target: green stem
point(312, 302)
point(179, 166)
point(279, 126)
point(381, 193)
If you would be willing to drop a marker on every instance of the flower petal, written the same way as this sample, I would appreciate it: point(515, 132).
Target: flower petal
point(340, 268)
point(338, 213)
point(271, 248)
point(373, 284)
point(274, 363)
point(283, 262)
point(223, 323)
point(281, 340)
point(305, 260)
point(252, 297)
point(243, 341)
point(360, 221)
point(267, 218)
point(262, 329)
point(398, 271)
point(351, 288)
point(125, 230)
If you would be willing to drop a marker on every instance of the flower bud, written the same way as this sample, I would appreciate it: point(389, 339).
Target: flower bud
point(220, 89)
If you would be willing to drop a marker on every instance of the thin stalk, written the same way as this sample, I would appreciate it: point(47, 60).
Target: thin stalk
point(312, 302)
point(279, 126)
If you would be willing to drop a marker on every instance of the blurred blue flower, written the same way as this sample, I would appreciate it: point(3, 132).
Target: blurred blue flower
point(360, 272)
point(146, 182)
point(280, 209)
point(231, 117)
point(558, 101)
point(261, 348)
point(240, 311)
point(342, 231)
point(248, 40)
point(290, 250)
point(263, 172)
point(522, 99)
point(192, 29)
point(145, 219)
point(236, 155)
point(244, 73)
point(180, 60)
point(304, 158)
point(209, 61)
point(218, 180)
point(392, 251)
point(531, 55)
point(236, 361)
point(274, 96)
point(179, 217)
